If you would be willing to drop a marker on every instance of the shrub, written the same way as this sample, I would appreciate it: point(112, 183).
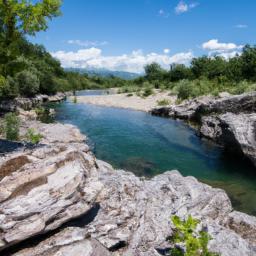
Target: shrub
point(163, 102)
point(28, 83)
point(184, 89)
point(187, 240)
point(8, 88)
point(44, 115)
point(74, 99)
point(148, 90)
point(11, 126)
point(33, 137)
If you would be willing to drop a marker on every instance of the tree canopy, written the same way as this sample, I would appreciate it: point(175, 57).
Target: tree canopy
point(22, 17)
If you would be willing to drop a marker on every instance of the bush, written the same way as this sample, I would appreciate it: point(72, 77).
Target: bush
point(74, 99)
point(163, 102)
point(11, 126)
point(28, 83)
point(184, 89)
point(187, 240)
point(33, 137)
point(8, 88)
point(44, 115)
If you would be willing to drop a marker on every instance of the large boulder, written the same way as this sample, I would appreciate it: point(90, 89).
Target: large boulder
point(77, 205)
point(237, 132)
point(30, 103)
point(208, 105)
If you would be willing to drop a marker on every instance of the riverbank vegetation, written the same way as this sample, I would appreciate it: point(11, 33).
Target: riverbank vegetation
point(205, 75)
point(27, 69)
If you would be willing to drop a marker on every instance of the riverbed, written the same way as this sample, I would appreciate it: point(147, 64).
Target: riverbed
point(149, 145)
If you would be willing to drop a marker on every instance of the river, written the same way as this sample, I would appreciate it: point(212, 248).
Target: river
point(149, 145)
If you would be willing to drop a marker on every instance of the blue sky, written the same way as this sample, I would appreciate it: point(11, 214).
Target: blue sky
point(127, 34)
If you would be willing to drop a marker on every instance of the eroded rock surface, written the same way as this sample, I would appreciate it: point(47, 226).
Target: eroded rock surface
point(229, 120)
point(113, 212)
point(30, 103)
point(236, 131)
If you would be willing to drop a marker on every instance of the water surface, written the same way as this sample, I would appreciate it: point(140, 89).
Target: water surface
point(149, 145)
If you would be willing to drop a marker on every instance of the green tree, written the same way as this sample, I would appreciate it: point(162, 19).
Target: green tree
point(154, 72)
point(28, 83)
point(22, 17)
point(179, 72)
point(248, 59)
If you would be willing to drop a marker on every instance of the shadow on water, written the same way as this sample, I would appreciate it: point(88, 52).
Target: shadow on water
point(139, 166)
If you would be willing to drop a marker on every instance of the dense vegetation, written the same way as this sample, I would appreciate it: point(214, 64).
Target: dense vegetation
point(27, 69)
point(205, 75)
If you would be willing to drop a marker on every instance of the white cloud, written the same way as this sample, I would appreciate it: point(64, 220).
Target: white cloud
point(133, 62)
point(241, 26)
point(166, 51)
point(228, 55)
point(87, 43)
point(183, 7)
point(216, 46)
point(225, 50)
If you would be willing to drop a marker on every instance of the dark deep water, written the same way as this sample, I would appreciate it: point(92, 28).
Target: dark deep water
point(148, 145)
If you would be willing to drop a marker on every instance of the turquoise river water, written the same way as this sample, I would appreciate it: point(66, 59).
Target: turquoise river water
point(149, 145)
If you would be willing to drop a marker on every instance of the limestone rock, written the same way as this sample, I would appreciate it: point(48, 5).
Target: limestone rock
point(70, 241)
point(30, 103)
point(229, 120)
point(235, 104)
point(236, 132)
point(92, 209)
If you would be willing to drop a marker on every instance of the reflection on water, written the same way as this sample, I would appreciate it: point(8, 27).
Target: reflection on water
point(149, 145)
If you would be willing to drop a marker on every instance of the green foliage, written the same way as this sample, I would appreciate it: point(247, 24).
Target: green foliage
point(44, 115)
point(154, 72)
point(24, 17)
point(179, 72)
point(147, 91)
point(28, 83)
point(184, 89)
point(187, 240)
point(27, 69)
point(11, 126)
point(33, 137)
point(163, 102)
point(74, 99)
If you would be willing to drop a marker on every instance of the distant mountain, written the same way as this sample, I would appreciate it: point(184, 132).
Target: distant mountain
point(105, 73)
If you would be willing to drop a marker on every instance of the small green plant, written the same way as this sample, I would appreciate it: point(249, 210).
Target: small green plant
point(33, 137)
point(129, 95)
point(187, 240)
point(163, 102)
point(147, 92)
point(44, 115)
point(11, 126)
point(74, 99)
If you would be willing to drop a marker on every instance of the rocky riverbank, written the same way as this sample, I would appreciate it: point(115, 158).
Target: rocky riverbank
point(30, 103)
point(229, 120)
point(56, 198)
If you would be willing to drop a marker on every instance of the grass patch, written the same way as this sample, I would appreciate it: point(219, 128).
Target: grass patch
point(163, 102)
